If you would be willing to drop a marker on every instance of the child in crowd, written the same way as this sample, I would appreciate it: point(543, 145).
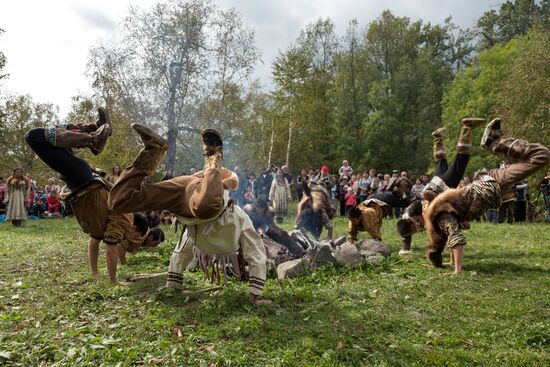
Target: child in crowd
point(54, 205)
point(350, 199)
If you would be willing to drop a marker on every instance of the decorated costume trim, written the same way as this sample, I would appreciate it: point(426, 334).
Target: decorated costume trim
point(50, 135)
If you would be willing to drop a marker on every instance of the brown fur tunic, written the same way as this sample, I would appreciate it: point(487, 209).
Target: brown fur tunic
point(451, 201)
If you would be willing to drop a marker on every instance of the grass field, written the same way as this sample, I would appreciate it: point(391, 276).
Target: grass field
point(399, 313)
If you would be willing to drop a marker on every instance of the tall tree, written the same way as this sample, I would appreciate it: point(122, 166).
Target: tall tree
point(524, 92)
point(17, 116)
point(513, 18)
point(3, 60)
point(408, 68)
point(304, 77)
point(178, 63)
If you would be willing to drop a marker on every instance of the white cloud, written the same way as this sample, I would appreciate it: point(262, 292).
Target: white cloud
point(47, 42)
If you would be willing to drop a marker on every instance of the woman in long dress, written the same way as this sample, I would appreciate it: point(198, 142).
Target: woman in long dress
point(115, 174)
point(17, 191)
point(280, 196)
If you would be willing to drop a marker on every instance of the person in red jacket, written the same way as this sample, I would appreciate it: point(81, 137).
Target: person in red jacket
point(54, 205)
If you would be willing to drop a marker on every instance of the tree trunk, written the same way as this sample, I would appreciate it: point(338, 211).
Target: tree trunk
point(272, 141)
point(290, 128)
point(175, 79)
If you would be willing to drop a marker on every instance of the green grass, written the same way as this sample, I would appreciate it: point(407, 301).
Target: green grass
point(399, 313)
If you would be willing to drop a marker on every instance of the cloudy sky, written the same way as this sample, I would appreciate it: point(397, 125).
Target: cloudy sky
point(47, 42)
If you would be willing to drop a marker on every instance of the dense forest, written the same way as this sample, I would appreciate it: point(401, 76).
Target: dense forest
point(371, 95)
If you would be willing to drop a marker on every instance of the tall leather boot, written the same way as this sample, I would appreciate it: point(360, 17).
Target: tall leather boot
point(63, 138)
point(491, 134)
point(89, 127)
point(439, 144)
point(154, 148)
point(213, 149)
point(464, 142)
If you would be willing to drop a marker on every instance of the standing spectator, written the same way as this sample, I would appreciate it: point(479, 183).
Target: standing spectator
point(506, 212)
point(363, 187)
point(115, 174)
point(381, 184)
point(384, 181)
point(264, 184)
point(416, 190)
point(341, 194)
point(32, 181)
point(238, 194)
point(394, 173)
point(18, 188)
point(251, 192)
point(522, 195)
point(373, 182)
point(326, 179)
point(345, 170)
point(279, 196)
point(299, 183)
point(311, 175)
point(54, 206)
point(2, 194)
point(350, 199)
point(404, 174)
point(287, 175)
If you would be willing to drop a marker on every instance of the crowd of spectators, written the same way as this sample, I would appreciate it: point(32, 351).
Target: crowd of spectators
point(277, 187)
point(22, 197)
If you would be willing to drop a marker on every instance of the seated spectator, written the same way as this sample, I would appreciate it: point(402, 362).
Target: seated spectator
point(54, 206)
point(51, 187)
point(40, 202)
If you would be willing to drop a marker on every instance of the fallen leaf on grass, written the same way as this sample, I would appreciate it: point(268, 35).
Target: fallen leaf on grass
point(340, 345)
point(178, 332)
point(469, 342)
point(156, 361)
